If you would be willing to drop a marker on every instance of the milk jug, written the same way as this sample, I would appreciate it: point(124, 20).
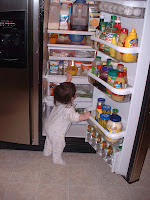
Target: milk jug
point(54, 14)
point(79, 15)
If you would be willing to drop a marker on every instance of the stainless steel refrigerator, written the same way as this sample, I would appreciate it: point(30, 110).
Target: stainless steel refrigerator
point(19, 71)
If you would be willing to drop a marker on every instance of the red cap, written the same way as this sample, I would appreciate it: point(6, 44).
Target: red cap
point(120, 65)
point(124, 30)
point(99, 66)
point(99, 107)
point(120, 74)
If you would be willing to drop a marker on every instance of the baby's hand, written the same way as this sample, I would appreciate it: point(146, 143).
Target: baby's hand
point(84, 116)
point(69, 77)
point(87, 115)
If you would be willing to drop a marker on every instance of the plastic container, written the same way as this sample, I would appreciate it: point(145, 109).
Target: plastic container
point(64, 17)
point(98, 112)
point(54, 67)
point(120, 67)
point(79, 15)
point(78, 65)
point(76, 38)
point(113, 125)
point(61, 68)
point(54, 15)
point(121, 41)
point(96, 61)
point(119, 83)
point(53, 38)
point(86, 66)
point(104, 117)
point(106, 109)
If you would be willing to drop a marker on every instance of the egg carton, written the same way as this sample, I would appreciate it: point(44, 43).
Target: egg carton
point(118, 9)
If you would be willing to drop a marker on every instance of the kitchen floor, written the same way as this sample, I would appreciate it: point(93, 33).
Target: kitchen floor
point(28, 175)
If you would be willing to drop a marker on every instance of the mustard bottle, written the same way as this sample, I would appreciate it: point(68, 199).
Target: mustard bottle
point(111, 50)
point(131, 41)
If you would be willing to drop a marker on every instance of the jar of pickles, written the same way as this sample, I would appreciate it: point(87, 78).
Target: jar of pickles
point(104, 117)
point(106, 109)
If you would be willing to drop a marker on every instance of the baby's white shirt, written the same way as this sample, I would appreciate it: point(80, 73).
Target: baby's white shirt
point(60, 119)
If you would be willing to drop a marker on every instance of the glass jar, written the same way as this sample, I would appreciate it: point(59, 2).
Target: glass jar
point(115, 111)
point(106, 109)
point(104, 117)
point(100, 101)
point(112, 74)
point(103, 76)
point(113, 125)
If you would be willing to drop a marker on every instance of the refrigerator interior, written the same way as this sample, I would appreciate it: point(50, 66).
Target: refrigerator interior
point(128, 110)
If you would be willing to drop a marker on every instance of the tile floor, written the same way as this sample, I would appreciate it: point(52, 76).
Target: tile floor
point(28, 175)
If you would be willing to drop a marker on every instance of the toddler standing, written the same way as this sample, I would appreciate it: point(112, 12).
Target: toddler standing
point(60, 119)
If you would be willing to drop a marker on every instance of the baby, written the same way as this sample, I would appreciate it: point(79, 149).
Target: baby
point(60, 119)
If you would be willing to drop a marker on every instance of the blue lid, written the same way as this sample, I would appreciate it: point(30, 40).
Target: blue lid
point(115, 118)
point(104, 116)
point(106, 107)
point(101, 100)
point(106, 68)
point(80, 1)
point(61, 61)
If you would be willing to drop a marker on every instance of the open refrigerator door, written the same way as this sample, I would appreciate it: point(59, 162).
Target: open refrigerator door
point(115, 147)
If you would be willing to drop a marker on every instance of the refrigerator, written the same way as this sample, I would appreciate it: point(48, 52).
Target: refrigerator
point(128, 160)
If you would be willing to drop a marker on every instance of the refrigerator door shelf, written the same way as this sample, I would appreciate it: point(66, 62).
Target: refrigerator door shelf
point(62, 78)
point(126, 91)
point(70, 47)
point(129, 50)
point(129, 9)
point(138, 4)
point(99, 129)
point(70, 32)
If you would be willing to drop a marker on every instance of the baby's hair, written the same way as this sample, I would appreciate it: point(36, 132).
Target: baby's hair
point(64, 92)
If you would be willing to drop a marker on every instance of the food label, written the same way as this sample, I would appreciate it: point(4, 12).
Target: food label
point(133, 43)
point(54, 66)
point(113, 131)
point(109, 37)
point(94, 17)
point(64, 19)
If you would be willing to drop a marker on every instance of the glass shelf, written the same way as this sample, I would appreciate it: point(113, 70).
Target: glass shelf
point(70, 32)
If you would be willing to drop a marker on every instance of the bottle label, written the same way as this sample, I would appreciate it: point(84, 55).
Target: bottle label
point(64, 20)
point(113, 131)
point(133, 43)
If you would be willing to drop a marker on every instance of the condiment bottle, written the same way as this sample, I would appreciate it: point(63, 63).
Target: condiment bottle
point(117, 23)
point(131, 41)
point(113, 125)
point(100, 101)
point(104, 117)
point(106, 109)
point(96, 62)
point(121, 42)
point(115, 111)
point(112, 22)
point(112, 74)
point(111, 50)
point(119, 83)
point(98, 112)
point(125, 76)
point(120, 67)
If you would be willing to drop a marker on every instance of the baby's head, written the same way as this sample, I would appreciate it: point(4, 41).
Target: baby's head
point(64, 93)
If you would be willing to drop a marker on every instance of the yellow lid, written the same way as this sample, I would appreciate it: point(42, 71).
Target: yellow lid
point(133, 33)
